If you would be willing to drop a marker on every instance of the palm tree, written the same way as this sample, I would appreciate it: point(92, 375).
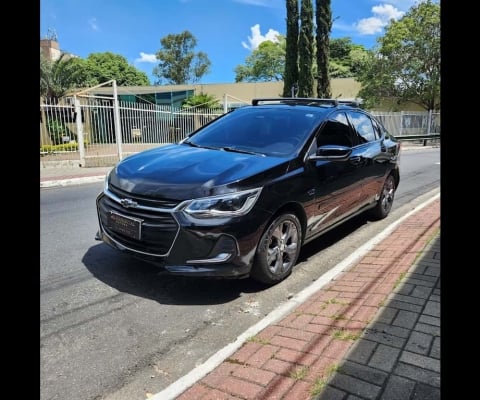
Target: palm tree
point(57, 77)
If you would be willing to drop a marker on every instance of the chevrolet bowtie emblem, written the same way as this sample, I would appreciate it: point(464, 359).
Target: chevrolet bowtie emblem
point(128, 203)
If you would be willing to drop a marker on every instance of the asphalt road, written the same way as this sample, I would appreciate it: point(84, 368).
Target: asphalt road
point(112, 328)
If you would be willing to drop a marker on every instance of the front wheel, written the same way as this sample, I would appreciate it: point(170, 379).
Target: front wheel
point(278, 250)
point(385, 202)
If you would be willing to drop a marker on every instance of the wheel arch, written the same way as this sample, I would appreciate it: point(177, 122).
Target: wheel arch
point(294, 208)
point(396, 175)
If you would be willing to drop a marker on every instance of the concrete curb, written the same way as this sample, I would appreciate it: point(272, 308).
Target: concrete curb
point(72, 181)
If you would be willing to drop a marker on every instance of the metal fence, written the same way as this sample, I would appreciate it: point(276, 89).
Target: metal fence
point(410, 122)
point(99, 131)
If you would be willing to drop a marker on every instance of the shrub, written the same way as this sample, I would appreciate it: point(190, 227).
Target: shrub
point(57, 148)
point(57, 130)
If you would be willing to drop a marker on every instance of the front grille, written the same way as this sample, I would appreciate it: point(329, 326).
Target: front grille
point(159, 229)
point(145, 201)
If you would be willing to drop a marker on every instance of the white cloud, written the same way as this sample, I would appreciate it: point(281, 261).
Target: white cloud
point(383, 13)
point(370, 26)
point(144, 57)
point(257, 38)
point(387, 12)
point(93, 24)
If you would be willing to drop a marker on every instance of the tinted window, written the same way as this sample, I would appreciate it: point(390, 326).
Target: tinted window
point(337, 131)
point(378, 128)
point(363, 125)
point(276, 131)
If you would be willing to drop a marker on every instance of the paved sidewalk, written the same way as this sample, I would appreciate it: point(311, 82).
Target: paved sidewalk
point(373, 332)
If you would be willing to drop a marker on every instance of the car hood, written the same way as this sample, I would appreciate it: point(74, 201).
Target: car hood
point(183, 172)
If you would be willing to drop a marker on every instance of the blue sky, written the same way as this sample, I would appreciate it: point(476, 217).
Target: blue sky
point(226, 30)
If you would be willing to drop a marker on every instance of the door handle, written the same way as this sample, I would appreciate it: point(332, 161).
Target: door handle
point(355, 160)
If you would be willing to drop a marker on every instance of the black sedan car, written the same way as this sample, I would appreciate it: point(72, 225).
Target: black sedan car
point(242, 194)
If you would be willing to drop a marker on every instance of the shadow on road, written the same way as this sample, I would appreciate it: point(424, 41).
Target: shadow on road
point(130, 275)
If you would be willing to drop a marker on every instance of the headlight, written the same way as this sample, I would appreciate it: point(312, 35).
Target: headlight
point(107, 177)
point(105, 183)
point(228, 205)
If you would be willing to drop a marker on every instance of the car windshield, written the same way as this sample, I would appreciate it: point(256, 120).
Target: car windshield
point(275, 131)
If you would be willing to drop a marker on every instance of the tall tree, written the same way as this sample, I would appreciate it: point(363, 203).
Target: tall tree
point(305, 50)
point(323, 19)
point(265, 64)
point(291, 49)
point(99, 68)
point(178, 62)
point(406, 67)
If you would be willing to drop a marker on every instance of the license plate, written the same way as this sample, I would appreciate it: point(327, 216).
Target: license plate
point(128, 226)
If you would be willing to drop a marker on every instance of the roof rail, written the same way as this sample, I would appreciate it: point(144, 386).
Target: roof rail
point(295, 100)
point(353, 103)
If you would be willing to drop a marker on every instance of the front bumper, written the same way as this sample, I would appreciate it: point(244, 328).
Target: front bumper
point(178, 246)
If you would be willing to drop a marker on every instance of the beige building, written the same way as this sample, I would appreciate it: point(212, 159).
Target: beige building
point(231, 94)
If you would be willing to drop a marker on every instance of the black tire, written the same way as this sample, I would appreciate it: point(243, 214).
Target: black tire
point(278, 250)
point(385, 202)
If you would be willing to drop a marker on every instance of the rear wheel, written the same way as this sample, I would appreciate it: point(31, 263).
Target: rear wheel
point(385, 202)
point(278, 250)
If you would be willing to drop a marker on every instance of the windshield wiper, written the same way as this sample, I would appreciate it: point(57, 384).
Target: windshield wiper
point(235, 150)
point(199, 146)
point(191, 143)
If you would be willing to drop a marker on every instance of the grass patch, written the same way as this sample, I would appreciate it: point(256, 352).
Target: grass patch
point(342, 334)
point(256, 339)
point(321, 382)
point(318, 386)
point(337, 317)
point(299, 373)
point(336, 301)
point(234, 361)
point(400, 278)
point(332, 368)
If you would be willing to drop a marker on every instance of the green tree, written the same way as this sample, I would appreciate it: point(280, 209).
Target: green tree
point(406, 66)
point(265, 64)
point(346, 59)
point(60, 76)
point(323, 19)
point(178, 62)
point(57, 77)
point(291, 46)
point(305, 50)
point(99, 68)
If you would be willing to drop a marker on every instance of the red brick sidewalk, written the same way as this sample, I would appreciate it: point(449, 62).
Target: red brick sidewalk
point(293, 358)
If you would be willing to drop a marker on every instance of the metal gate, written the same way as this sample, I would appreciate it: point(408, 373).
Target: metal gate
point(100, 130)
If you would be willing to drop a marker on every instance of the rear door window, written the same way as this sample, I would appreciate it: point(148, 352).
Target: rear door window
point(363, 125)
